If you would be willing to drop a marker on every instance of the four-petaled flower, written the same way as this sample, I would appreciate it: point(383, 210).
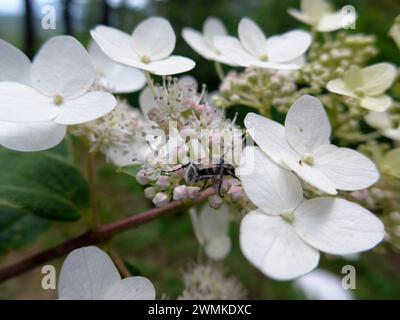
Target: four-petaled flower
point(320, 15)
point(254, 49)
point(367, 85)
point(283, 236)
point(38, 100)
point(88, 273)
point(149, 47)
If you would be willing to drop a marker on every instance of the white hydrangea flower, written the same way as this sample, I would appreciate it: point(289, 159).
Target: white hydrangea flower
point(284, 235)
point(116, 77)
point(203, 42)
point(88, 273)
point(149, 47)
point(45, 96)
point(322, 285)
point(395, 31)
point(383, 123)
point(211, 228)
point(368, 85)
point(254, 49)
point(303, 146)
point(321, 16)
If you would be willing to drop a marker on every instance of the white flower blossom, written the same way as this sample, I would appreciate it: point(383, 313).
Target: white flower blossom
point(254, 49)
point(384, 124)
point(149, 47)
point(211, 228)
point(38, 100)
point(367, 85)
point(88, 273)
point(303, 145)
point(320, 15)
point(322, 285)
point(284, 235)
point(203, 42)
point(113, 76)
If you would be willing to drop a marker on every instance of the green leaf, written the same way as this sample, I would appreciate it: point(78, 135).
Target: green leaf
point(44, 184)
point(131, 170)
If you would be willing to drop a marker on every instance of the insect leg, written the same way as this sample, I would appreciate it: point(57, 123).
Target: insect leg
point(180, 168)
point(204, 185)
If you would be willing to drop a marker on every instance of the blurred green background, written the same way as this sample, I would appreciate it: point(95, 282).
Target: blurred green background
point(161, 249)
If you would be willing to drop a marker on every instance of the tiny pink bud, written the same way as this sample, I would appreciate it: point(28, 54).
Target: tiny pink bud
point(194, 192)
point(180, 193)
point(150, 192)
point(236, 193)
point(163, 182)
point(142, 178)
point(160, 200)
point(215, 201)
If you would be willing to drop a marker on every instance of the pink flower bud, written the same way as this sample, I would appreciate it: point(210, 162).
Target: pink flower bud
point(180, 193)
point(236, 193)
point(215, 201)
point(193, 192)
point(161, 200)
point(163, 182)
point(142, 178)
point(150, 192)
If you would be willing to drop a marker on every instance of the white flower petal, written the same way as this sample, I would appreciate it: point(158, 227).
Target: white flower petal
point(31, 137)
point(347, 169)
point(154, 38)
point(334, 21)
point(20, 103)
point(378, 78)
point(378, 103)
point(353, 78)
point(198, 43)
point(337, 226)
point(393, 134)
point(116, 44)
point(315, 8)
point(252, 37)
point(87, 274)
point(120, 78)
point(214, 222)
point(218, 248)
point(378, 120)
point(311, 175)
point(14, 65)
point(171, 65)
point(231, 48)
point(62, 67)
point(213, 27)
point(272, 245)
point(322, 285)
point(288, 46)
point(269, 187)
point(270, 136)
point(86, 108)
point(132, 288)
point(300, 16)
point(338, 86)
point(307, 126)
point(146, 101)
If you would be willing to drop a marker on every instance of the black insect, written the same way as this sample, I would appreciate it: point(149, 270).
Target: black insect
point(205, 172)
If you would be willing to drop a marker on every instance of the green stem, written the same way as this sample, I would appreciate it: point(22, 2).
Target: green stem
point(150, 83)
point(219, 70)
point(119, 262)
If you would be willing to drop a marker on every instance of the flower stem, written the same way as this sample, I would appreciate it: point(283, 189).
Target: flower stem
point(219, 70)
point(150, 83)
point(123, 270)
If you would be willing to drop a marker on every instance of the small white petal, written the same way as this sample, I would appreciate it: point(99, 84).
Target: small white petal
point(334, 21)
point(171, 65)
point(338, 86)
point(353, 78)
point(378, 120)
point(14, 65)
point(146, 101)
point(62, 67)
point(154, 38)
point(270, 136)
point(213, 27)
point(132, 288)
point(31, 137)
point(307, 126)
point(315, 8)
point(86, 108)
point(337, 226)
point(218, 248)
point(301, 16)
point(272, 245)
point(393, 134)
point(198, 43)
point(214, 222)
point(322, 285)
point(252, 37)
point(347, 169)
point(87, 274)
point(378, 78)
point(231, 48)
point(378, 103)
point(288, 46)
point(116, 44)
point(269, 187)
point(20, 103)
